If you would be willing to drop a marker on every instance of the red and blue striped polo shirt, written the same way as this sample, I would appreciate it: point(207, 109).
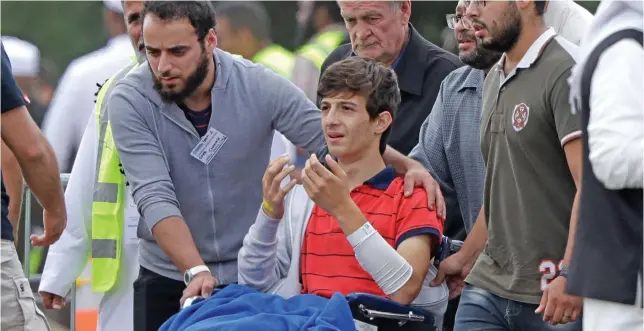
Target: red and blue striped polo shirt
point(328, 263)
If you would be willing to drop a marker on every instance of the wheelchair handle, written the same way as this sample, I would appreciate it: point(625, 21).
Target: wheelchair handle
point(189, 301)
point(381, 314)
point(446, 248)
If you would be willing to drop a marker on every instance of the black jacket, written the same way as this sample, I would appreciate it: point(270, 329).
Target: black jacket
point(421, 70)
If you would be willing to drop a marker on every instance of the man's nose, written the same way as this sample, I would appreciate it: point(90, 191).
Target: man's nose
point(332, 117)
point(362, 31)
point(164, 63)
point(464, 24)
point(472, 10)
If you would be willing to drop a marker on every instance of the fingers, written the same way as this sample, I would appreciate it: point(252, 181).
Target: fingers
point(566, 316)
point(574, 315)
point(439, 279)
point(47, 300)
point(207, 286)
point(316, 171)
point(58, 302)
point(455, 292)
point(42, 240)
point(284, 190)
point(311, 174)
point(549, 312)
point(558, 315)
point(275, 188)
point(307, 183)
point(542, 304)
point(441, 209)
point(409, 184)
point(430, 186)
point(335, 167)
point(274, 168)
point(192, 290)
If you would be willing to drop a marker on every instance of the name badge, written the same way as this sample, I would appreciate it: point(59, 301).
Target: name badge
point(209, 146)
point(131, 218)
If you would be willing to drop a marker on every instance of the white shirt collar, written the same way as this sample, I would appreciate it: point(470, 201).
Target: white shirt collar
point(529, 57)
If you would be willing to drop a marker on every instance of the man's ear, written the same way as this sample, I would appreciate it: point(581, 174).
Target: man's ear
point(210, 41)
point(405, 8)
point(524, 4)
point(383, 121)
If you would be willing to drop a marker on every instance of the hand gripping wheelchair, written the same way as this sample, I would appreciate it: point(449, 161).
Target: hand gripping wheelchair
point(374, 313)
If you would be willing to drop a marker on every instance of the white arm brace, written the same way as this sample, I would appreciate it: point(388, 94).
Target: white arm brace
point(390, 270)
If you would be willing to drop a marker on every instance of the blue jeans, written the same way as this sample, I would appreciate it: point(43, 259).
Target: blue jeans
point(480, 310)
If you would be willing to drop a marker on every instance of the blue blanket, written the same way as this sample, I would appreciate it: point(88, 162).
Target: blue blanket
point(239, 308)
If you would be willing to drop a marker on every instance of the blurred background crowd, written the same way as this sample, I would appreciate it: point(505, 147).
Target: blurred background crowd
point(88, 26)
point(52, 42)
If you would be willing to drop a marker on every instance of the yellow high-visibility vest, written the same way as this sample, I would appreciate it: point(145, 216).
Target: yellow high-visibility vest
point(320, 47)
point(109, 198)
point(276, 58)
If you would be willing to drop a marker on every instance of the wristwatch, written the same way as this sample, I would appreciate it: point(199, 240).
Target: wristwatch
point(192, 272)
point(563, 272)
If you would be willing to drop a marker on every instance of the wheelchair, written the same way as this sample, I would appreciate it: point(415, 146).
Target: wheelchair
point(374, 313)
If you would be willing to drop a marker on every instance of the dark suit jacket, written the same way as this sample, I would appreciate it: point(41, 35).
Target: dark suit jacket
point(420, 71)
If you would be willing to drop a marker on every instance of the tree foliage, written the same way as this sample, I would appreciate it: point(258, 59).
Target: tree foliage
point(64, 30)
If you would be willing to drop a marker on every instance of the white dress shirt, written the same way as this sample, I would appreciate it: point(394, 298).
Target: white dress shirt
point(68, 256)
point(73, 101)
point(616, 125)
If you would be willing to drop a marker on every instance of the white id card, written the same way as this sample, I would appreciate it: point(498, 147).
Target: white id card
point(209, 145)
point(131, 218)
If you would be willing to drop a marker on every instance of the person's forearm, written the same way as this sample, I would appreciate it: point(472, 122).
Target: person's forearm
point(475, 242)
point(349, 217)
point(397, 160)
point(40, 171)
point(573, 229)
point(175, 239)
point(14, 184)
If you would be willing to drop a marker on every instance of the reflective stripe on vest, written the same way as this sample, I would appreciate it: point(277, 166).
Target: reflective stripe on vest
point(276, 58)
point(318, 49)
point(109, 197)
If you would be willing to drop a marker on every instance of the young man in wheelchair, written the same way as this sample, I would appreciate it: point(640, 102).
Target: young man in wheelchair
point(348, 227)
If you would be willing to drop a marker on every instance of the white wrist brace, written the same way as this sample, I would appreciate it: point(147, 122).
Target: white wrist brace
point(390, 270)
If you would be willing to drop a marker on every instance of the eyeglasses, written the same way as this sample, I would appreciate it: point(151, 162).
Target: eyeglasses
point(453, 19)
point(482, 3)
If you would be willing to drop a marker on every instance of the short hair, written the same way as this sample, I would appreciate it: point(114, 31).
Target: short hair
point(377, 83)
point(540, 7)
point(247, 14)
point(200, 14)
point(395, 4)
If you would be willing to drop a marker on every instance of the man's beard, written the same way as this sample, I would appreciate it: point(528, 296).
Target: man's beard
point(504, 39)
point(192, 83)
point(480, 58)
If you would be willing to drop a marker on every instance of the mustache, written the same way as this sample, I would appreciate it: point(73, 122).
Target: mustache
point(476, 21)
point(466, 36)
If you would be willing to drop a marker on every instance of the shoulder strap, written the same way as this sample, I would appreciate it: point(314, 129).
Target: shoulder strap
point(593, 59)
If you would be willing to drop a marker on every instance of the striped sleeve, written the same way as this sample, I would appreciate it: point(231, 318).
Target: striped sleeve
point(414, 218)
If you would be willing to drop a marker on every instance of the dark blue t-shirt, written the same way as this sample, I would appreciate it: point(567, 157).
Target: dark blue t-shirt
point(12, 98)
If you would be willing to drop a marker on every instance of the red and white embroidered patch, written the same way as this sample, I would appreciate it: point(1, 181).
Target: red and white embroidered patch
point(520, 116)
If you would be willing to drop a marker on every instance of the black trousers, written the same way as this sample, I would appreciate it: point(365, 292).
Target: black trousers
point(450, 315)
point(156, 299)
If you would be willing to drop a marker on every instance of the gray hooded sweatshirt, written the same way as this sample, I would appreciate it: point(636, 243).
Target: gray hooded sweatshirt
point(217, 199)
